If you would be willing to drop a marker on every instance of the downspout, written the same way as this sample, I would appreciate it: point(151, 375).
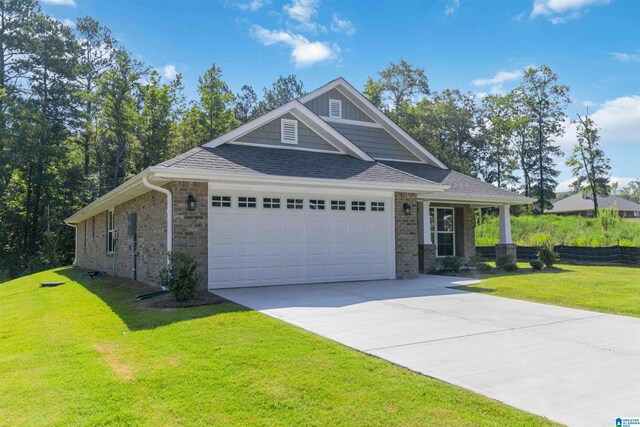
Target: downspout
point(147, 184)
point(75, 249)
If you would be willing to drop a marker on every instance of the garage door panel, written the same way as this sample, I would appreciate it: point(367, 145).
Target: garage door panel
point(261, 246)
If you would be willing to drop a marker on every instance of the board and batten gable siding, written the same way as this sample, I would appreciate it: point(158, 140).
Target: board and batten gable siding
point(269, 134)
point(376, 142)
point(320, 106)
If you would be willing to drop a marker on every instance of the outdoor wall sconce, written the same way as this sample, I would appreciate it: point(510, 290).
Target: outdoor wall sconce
point(406, 208)
point(191, 203)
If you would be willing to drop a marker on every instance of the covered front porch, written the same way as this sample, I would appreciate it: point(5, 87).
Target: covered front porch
point(447, 229)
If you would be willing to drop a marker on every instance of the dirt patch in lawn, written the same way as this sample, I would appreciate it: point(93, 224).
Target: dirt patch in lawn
point(119, 367)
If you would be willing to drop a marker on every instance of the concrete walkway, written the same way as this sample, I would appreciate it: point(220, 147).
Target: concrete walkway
point(577, 367)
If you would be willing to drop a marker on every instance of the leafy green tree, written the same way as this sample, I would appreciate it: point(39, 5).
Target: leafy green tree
point(246, 105)
point(283, 90)
point(189, 132)
point(373, 91)
point(497, 160)
point(158, 116)
point(589, 165)
point(524, 141)
point(402, 83)
point(118, 89)
point(631, 191)
point(545, 102)
point(216, 102)
point(97, 49)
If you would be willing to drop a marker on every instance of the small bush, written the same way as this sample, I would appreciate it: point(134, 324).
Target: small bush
point(475, 260)
point(504, 260)
point(483, 267)
point(536, 264)
point(450, 264)
point(180, 276)
point(547, 255)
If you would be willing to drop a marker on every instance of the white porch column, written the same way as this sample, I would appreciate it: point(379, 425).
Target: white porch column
point(505, 225)
point(424, 224)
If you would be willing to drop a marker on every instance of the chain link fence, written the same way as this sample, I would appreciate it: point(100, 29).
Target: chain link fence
point(612, 255)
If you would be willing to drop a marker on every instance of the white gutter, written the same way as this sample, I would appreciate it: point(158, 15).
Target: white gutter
point(147, 184)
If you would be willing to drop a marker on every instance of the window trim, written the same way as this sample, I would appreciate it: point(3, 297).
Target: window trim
point(248, 204)
point(317, 204)
point(111, 231)
point(379, 206)
point(295, 204)
point(271, 203)
point(338, 102)
point(434, 224)
point(339, 205)
point(356, 206)
point(223, 203)
point(293, 122)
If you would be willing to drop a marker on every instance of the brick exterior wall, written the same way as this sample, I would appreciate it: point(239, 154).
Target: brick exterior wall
point(427, 258)
point(189, 234)
point(190, 228)
point(406, 236)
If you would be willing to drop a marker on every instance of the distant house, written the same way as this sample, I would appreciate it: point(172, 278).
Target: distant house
point(582, 204)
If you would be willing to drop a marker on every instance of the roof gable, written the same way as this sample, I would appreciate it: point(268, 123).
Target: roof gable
point(304, 115)
point(379, 118)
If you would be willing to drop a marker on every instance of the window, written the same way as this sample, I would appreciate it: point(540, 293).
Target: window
point(270, 203)
point(246, 202)
point(338, 205)
point(358, 206)
point(93, 227)
point(221, 201)
point(442, 231)
point(288, 131)
point(377, 206)
point(294, 203)
point(111, 232)
point(316, 205)
point(335, 108)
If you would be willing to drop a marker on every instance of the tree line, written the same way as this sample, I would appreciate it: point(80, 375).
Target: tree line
point(79, 115)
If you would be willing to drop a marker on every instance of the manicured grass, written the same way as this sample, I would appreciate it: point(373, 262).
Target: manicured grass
point(85, 353)
point(613, 290)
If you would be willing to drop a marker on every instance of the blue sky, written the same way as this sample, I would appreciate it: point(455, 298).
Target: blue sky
point(474, 45)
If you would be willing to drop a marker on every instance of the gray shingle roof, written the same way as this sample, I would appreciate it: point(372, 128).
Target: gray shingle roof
point(461, 185)
point(259, 161)
point(579, 202)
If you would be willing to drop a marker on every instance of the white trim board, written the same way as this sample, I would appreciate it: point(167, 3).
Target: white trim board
point(351, 122)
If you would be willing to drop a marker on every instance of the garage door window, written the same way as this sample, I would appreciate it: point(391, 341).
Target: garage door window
point(443, 231)
point(246, 202)
point(294, 204)
point(338, 205)
point(377, 206)
point(270, 203)
point(221, 201)
point(316, 204)
point(358, 206)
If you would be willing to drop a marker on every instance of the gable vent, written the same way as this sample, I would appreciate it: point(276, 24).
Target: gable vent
point(288, 131)
point(335, 108)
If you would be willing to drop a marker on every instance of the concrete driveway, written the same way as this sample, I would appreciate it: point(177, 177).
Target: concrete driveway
point(572, 366)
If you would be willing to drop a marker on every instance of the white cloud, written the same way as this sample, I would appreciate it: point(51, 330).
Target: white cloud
point(253, 5)
point(169, 71)
point(451, 7)
point(618, 122)
point(303, 51)
point(71, 3)
point(497, 81)
point(561, 11)
point(342, 25)
point(303, 12)
point(626, 57)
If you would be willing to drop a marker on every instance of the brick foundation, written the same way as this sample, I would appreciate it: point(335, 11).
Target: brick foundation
point(506, 249)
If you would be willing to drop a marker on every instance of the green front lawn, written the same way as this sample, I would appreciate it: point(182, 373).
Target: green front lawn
point(85, 353)
point(613, 290)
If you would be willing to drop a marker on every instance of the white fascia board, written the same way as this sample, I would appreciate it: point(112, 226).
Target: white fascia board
point(378, 116)
point(485, 201)
point(306, 116)
point(204, 175)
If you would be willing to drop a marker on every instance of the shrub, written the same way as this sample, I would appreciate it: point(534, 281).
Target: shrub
point(180, 276)
point(547, 255)
point(483, 267)
point(536, 264)
point(506, 263)
point(475, 260)
point(450, 264)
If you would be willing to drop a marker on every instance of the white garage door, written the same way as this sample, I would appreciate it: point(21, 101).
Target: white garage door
point(258, 239)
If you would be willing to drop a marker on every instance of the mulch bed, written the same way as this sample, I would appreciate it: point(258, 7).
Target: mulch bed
point(168, 301)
